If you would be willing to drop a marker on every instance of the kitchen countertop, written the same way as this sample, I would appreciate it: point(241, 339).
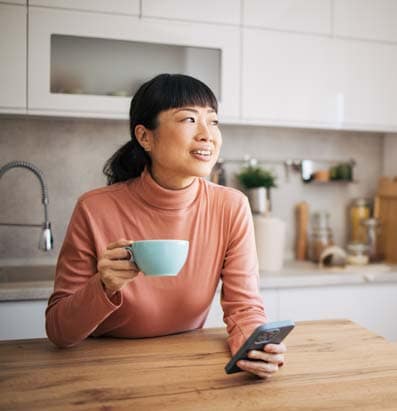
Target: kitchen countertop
point(36, 282)
point(331, 365)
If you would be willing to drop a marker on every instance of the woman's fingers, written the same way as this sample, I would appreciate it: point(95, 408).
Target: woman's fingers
point(259, 368)
point(117, 254)
point(114, 267)
point(276, 348)
point(264, 356)
point(264, 363)
point(119, 244)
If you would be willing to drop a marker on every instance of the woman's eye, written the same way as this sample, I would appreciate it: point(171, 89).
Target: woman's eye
point(190, 118)
point(215, 122)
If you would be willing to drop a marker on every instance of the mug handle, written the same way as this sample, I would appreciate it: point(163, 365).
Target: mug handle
point(132, 258)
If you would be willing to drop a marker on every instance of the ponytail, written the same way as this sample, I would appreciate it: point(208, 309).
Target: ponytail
point(127, 162)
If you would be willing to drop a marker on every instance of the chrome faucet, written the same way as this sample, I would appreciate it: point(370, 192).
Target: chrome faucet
point(46, 242)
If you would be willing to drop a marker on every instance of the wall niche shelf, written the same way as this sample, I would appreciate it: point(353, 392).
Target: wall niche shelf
point(314, 171)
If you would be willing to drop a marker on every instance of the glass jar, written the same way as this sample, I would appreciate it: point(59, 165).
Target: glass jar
point(321, 237)
point(360, 209)
point(373, 231)
point(357, 254)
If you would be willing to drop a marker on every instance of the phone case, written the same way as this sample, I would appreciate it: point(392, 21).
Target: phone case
point(273, 333)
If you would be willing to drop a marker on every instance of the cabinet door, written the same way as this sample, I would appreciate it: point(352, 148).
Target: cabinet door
point(372, 306)
point(22, 319)
point(288, 79)
point(367, 84)
point(300, 80)
point(206, 11)
point(72, 30)
point(366, 19)
point(104, 6)
point(313, 16)
point(13, 58)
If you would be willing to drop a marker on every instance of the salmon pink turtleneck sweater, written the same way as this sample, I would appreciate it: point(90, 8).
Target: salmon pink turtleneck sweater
point(216, 221)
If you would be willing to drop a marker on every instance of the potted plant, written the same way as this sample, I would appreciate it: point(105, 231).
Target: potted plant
point(258, 182)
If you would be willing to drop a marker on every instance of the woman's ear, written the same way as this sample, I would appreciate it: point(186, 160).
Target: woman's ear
point(143, 136)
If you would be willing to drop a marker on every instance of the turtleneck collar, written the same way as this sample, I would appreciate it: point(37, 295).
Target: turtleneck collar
point(157, 196)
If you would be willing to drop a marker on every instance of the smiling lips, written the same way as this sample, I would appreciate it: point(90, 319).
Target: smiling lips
point(202, 155)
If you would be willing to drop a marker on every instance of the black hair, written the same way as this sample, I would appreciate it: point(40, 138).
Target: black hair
point(161, 93)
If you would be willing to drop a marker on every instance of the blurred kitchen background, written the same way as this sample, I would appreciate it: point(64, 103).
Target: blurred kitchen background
point(296, 80)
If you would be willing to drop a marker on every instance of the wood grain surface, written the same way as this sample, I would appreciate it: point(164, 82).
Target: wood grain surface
point(331, 365)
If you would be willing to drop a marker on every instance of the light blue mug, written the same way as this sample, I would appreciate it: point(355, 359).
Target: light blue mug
point(159, 257)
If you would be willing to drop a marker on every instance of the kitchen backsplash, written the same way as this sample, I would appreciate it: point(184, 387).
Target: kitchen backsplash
point(71, 154)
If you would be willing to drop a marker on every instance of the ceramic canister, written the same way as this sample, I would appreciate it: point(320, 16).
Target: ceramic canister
point(270, 240)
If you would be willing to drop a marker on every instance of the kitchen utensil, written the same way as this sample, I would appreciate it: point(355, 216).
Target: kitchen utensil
point(302, 222)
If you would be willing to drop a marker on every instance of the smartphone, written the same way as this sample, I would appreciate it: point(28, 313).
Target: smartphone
point(269, 333)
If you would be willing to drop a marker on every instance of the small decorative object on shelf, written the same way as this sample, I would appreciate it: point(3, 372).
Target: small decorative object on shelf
point(323, 171)
point(342, 171)
point(258, 181)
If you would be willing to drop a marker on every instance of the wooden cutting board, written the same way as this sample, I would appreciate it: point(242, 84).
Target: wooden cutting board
point(386, 210)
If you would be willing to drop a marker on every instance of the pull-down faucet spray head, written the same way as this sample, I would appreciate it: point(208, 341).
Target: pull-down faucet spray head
point(46, 242)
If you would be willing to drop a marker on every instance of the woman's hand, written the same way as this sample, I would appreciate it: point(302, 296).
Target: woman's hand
point(264, 363)
point(115, 269)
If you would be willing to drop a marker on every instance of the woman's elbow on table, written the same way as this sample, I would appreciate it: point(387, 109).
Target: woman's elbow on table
point(55, 333)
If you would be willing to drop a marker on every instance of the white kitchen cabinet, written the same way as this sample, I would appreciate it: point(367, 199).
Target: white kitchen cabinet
point(13, 58)
point(366, 19)
point(368, 84)
point(67, 47)
point(208, 11)
point(22, 319)
point(105, 6)
point(371, 305)
point(309, 16)
point(313, 81)
point(270, 300)
point(288, 79)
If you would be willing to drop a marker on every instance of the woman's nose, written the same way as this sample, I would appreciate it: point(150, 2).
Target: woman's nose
point(204, 133)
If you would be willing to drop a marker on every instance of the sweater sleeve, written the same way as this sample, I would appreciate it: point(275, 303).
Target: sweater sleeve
point(240, 298)
point(79, 303)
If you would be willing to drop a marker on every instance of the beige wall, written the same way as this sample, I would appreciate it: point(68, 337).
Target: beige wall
point(71, 153)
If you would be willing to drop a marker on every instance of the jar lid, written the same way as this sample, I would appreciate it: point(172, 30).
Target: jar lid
point(357, 247)
point(361, 202)
point(321, 219)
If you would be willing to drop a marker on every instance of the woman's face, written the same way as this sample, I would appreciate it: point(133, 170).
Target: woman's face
point(185, 144)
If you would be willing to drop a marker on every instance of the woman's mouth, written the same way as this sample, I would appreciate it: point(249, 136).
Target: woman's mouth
point(202, 155)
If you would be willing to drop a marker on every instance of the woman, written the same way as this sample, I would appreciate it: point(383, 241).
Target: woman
point(156, 190)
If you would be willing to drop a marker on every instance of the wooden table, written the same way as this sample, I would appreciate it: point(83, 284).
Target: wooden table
point(331, 365)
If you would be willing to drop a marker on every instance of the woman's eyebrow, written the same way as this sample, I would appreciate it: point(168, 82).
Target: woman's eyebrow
point(210, 110)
